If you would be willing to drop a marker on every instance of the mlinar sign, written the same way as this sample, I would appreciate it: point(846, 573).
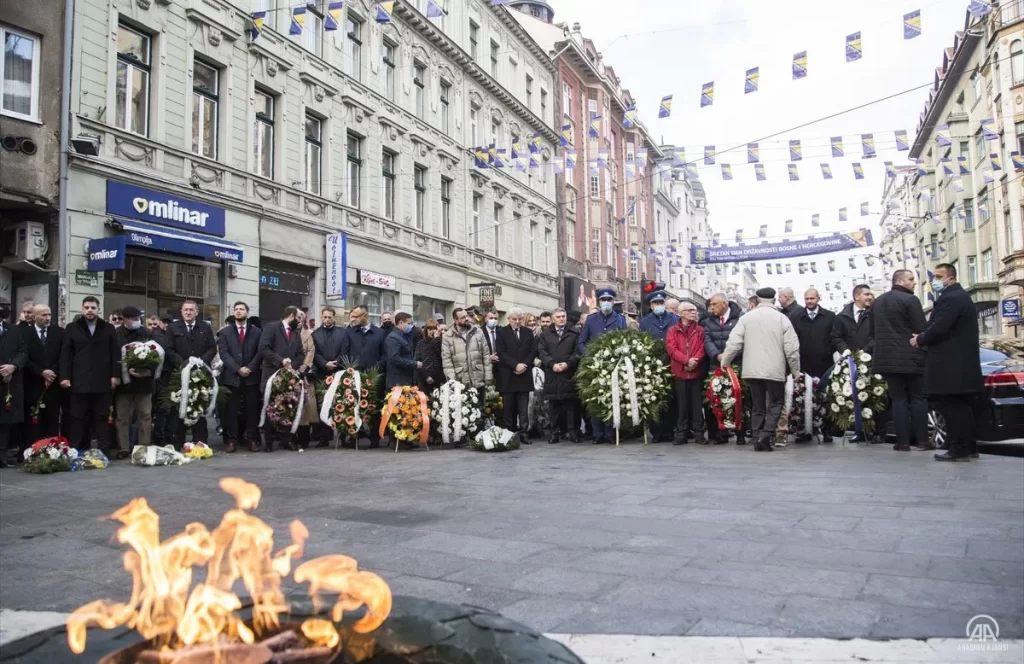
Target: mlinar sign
point(158, 207)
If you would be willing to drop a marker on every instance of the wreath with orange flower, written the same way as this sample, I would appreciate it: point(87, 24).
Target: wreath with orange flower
point(406, 415)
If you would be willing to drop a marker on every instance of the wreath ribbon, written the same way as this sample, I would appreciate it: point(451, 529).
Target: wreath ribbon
point(328, 405)
point(126, 377)
point(186, 373)
point(737, 393)
point(266, 398)
point(808, 423)
point(634, 403)
point(858, 424)
point(389, 409)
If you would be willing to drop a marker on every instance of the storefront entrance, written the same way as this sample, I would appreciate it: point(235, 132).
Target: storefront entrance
point(159, 285)
point(283, 285)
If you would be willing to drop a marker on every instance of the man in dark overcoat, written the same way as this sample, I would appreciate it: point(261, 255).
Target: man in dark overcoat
point(13, 357)
point(952, 368)
point(42, 342)
point(515, 359)
point(558, 349)
point(90, 368)
point(280, 347)
point(238, 344)
point(185, 339)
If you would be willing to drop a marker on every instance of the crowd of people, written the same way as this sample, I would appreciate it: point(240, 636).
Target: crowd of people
point(71, 381)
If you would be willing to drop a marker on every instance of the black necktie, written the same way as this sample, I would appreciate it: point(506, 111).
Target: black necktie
point(42, 335)
point(517, 334)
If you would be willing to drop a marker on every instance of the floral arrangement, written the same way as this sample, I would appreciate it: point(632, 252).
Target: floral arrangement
point(495, 439)
point(141, 356)
point(50, 455)
point(152, 455)
point(854, 395)
point(804, 404)
point(493, 405)
point(724, 399)
point(34, 412)
point(284, 396)
point(194, 390)
point(348, 399)
point(455, 409)
point(197, 450)
point(624, 372)
point(91, 459)
point(406, 415)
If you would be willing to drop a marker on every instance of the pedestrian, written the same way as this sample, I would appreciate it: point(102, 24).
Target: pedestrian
point(42, 391)
point(465, 356)
point(13, 358)
point(787, 302)
point(329, 342)
point(309, 415)
point(490, 328)
point(852, 330)
point(238, 345)
point(133, 399)
point(387, 322)
point(163, 423)
point(400, 363)
point(897, 316)
point(605, 320)
point(364, 346)
point(90, 371)
point(813, 324)
point(685, 344)
point(27, 316)
point(558, 349)
point(280, 347)
point(428, 354)
point(540, 416)
point(188, 338)
point(769, 345)
point(657, 323)
point(515, 356)
point(723, 315)
point(952, 369)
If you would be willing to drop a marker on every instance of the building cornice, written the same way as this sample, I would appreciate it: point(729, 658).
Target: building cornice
point(946, 85)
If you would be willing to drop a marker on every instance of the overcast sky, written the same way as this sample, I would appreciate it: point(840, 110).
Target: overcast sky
point(719, 40)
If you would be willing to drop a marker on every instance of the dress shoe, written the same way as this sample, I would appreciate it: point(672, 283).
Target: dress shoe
point(254, 446)
point(925, 447)
point(122, 455)
point(229, 448)
point(289, 445)
point(975, 455)
point(949, 457)
point(681, 440)
point(901, 447)
point(599, 441)
point(765, 444)
point(323, 443)
point(553, 439)
point(740, 440)
point(574, 437)
point(268, 445)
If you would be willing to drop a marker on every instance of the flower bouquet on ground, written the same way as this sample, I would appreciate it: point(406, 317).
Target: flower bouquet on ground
point(406, 415)
point(283, 397)
point(152, 455)
point(455, 412)
point(855, 396)
point(193, 390)
point(493, 406)
point(347, 399)
point(803, 404)
point(197, 450)
point(50, 455)
point(92, 459)
point(141, 356)
point(494, 439)
point(624, 378)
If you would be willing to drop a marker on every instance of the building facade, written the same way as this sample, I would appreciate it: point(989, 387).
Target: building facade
point(232, 145)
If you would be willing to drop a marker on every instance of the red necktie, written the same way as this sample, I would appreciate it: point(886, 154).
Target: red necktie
point(288, 333)
point(241, 336)
point(723, 321)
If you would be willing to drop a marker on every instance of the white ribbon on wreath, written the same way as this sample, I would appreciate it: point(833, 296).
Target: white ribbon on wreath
point(808, 423)
point(538, 379)
point(186, 373)
point(452, 395)
point(634, 404)
point(266, 399)
point(328, 405)
point(126, 377)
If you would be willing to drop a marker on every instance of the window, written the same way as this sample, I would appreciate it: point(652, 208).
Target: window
point(513, 75)
point(595, 187)
point(634, 269)
point(445, 94)
point(205, 102)
point(494, 59)
point(546, 248)
point(968, 214)
point(419, 77)
point(354, 31)
point(388, 184)
point(532, 246)
point(595, 245)
point(387, 71)
point(19, 75)
point(933, 245)
point(1018, 130)
point(496, 133)
point(610, 253)
point(965, 151)
point(314, 146)
point(570, 238)
point(424, 308)
point(979, 146)
point(476, 220)
point(1017, 62)
point(630, 151)
point(268, 7)
point(446, 207)
point(474, 116)
point(529, 92)
point(311, 31)
point(474, 39)
point(497, 229)
point(983, 212)
point(986, 265)
point(355, 165)
point(972, 270)
point(133, 69)
point(976, 86)
point(631, 211)
point(375, 300)
point(263, 130)
point(566, 100)
point(543, 103)
point(419, 181)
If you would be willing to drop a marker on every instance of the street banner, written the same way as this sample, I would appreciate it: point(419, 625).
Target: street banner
point(811, 246)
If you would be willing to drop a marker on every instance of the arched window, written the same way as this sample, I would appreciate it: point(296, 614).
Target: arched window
point(1017, 61)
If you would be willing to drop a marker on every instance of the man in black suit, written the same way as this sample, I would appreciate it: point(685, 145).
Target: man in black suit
point(364, 344)
point(90, 369)
point(42, 342)
point(13, 358)
point(280, 347)
point(239, 351)
point(852, 327)
point(516, 354)
point(185, 339)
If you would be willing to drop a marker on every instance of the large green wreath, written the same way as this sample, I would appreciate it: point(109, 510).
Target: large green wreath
point(650, 367)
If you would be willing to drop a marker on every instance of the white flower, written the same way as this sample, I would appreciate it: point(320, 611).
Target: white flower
point(863, 396)
point(878, 376)
point(864, 357)
point(52, 452)
point(841, 401)
point(835, 408)
point(861, 384)
point(866, 413)
point(846, 353)
point(847, 391)
point(878, 391)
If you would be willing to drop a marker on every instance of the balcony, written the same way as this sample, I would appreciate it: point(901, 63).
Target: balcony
point(1009, 13)
point(1013, 270)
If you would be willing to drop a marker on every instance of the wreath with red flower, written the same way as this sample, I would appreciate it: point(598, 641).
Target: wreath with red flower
point(348, 399)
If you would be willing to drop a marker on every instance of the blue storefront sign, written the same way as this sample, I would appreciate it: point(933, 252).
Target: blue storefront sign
point(106, 254)
point(778, 250)
point(1011, 308)
point(155, 238)
point(159, 207)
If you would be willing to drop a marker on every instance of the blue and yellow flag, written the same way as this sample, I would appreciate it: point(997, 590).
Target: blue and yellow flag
point(867, 144)
point(763, 232)
point(796, 153)
point(800, 65)
point(837, 146)
point(788, 227)
point(437, 8)
point(947, 169)
point(865, 209)
point(996, 161)
point(913, 253)
point(802, 268)
point(665, 109)
point(715, 239)
point(594, 170)
point(921, 170)
point(759, 173)
point(988, 131)
point(794, 175)
point(707, 94)
point(726, 172)
point(858, 171)
point(679, 158)
point(641, 158)
point(928, 291)
point(912, 24)
point(739, 235)
point(768, 268)
point(987, 176)
point(594, 130)
point(842, 214)
point(853, 47)
point(753, 153)
point(258, 19)
point(902, 142)
point(480, 157)
point(332, 18)
point(570, 160)
point(558, 164)
point(629, 117)
point(962, 162)
point(1018, 161)
point(870, 260)
point(517, 148)
point(815, 220)
point(778, 268)
point(499, 157)
point(563, 136)
point(832, 265)
point(298, 20)
point(709, 155)
point(890, 170)
point(602, 157)
point(980, 8)
point(535, 144)
point(789, 268)
point(853, 263)
point(826, 171)
point(942, 135)
point(753, 76)
point(630, 169)
point(384, 10)
point(814, 267)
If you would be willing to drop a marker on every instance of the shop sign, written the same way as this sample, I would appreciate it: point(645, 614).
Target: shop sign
point(486, 297)
point(183, 245)
point(1011, 308)
point(86, 278)
point(106, 254)
point(158, 207)
point(336, 261)
point(377, 280)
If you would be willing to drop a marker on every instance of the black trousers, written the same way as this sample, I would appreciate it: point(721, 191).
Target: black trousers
point(200, 431)
point(517, 407)
point(958, 411)
point(48, 423)
point(89, 413)
point(243, 398)
point(909, 407)
point(565, 416)
point(669, 417)
point(766, 401)
point(690, 406)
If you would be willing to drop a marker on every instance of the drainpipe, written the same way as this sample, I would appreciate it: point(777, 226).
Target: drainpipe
point(63, 228)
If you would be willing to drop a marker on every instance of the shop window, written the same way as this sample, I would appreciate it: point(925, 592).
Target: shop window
point(424, 308)
point(375, 300)
point(134, 52)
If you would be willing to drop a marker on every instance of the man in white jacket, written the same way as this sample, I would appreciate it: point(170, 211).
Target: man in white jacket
point(769, 344)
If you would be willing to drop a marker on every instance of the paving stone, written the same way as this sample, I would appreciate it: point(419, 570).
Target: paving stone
point(718, 627)
point(703, 549)
point(481, 548)
point(570, 583)
point(602, 618)
point(545, 614)
point(560, 557)
point(1008, 506)
point(905, 622)
point(429, 564)
point(773, 578)
point(1009, 551)
point(852, 560)
point(801, 537)
point(821, 522)
point(494, 599)
point(832, 510)
point(834, 618)
point(574, 537)
point(740, 517)
point(977, 571)
point(953, 547)
point(951, 595)
point(630, 563)
point(695, 601)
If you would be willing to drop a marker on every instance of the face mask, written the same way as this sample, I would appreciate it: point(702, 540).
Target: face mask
point(606, 307)
point(387, 326)
point(134, 324)
point(938, 286)
point(659, 309)
point(492, 323)
point(406, 329)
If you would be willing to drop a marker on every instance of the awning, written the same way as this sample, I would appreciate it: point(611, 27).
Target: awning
point(172, 240)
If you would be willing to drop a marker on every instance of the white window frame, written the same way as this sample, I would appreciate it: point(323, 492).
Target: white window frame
point(499, 211)
point(354, 160)
point(201, 95)
point(474, 126)
point(419, 83)
point(567, 100)
point(529, 92)
point(533, 245)
point(444, 97)
point(986, 265)
point(477, 200)
point(387, 171)
point(263, 121)
point(133, 65)
point(972, 270)
point(495, 49)
point(33, 114)
point(547, 250)
point(388, 58)
point(354, 33)
point(446, 207)
point(314, 148)
point(1016, 62)
point(419, 181)
point(311, 38)
point(570, 238)
point(474, 40)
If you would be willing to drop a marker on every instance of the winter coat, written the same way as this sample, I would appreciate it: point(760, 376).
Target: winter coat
point(658, 326)
point(40, 359)
point(685, 343)
point(465, 357)
point(89, 361)
point(13, 351)
point(234, 356)
point(815, 339)
point(137, 385)
point(365, 347)
point(792, 310)
point(597, 324)
point(511, 352)
point(952, 364)
point(716, 336)
point(180, 346)
point(399, 362)
point(275, 347)
point(768, 342)
point(850, 335)
point(553, 350)
point(329, 342)
point(896, 316)
point(428, 351)
point(310, 413)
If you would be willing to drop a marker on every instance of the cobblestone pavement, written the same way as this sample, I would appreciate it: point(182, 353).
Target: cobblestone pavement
point(810, 541)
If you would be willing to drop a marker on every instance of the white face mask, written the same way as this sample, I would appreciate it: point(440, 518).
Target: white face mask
point(492, 323)
point(606, 307)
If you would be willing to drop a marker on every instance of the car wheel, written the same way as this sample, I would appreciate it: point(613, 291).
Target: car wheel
point(937, 429)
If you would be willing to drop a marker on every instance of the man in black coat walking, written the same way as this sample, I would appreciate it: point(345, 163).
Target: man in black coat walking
point(13, 357)
point(42, 343)
point(558, 349)
point(515, 356)
point(185, 339)
point(239, 344)
point(90, 369)
point(134, 397)
point(280, 347)
point(897, 316)
point(952, 369)
point(852, 327)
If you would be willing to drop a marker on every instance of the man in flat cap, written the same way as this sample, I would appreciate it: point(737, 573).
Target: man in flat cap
point(604, 320)
point(135, 394)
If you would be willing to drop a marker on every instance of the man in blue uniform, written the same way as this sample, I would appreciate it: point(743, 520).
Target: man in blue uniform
point(599, 322)
point(657, 324)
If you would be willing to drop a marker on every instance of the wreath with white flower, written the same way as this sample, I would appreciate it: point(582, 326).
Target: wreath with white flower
point(194, 390)
point(624, 375)
point(855, 396)
point(494, 439)
point(805, 405)
point(455, 409)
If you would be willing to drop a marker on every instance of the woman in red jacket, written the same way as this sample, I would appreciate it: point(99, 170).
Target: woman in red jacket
point(685, 344)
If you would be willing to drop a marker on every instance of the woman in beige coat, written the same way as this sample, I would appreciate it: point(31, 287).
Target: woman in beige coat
point(309, 410)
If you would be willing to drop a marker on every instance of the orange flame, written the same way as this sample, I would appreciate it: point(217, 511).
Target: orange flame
point(166, 608)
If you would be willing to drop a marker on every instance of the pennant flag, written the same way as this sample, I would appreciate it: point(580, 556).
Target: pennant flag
point(802, 267)
point(602, 157)
point(987, 129)
point(726, 172)
point(826, 171)
point(832, 265)
point(858, 171)
point(890, 171)
point(853, 263)
point(752, 78)
point(641, 158)
point(298, 20)
point(987, 176)
point(962, 163)
point(759, 172)
point(789, 268)
point(563, 136)
point(709, 155)
point(942, 135)
point(753, 153)
point(258, 19)
point(800, 65)
point(837, 146)
point(912, 24)
point(870, 260)
point(629, 117)
point(902, 143)
point(480, 158)
point(795, 151)
point(739, 235)
point(929, 293)
point(926, 194)
point(384, 10)
point(570, 160)
point(665, 109)
point(499, 158)
point(1018, 161)
point(867, 144)
point(764, 231)
point(913, 253)
point(753, 268)
point(558, 164)
point(778, 268)
point(946, 168)
point(894, 205)
point(921, 170)
point(864, 209)
point(332, 19)
point(960, 213)
point(594, 170)
point(517, 147)
point(714, 239)
point(853, 47)
point(789, 226)
point(980, 8)
point(942, 248)
point(437, 8)
point(630, 169)
point(679, 158)
point(815, 220)
point(535, 144)
point(534, 161)
point(842, 214)
point(595, 127)
point(707, 94)
point(793, 174)
point(996, 161)
point(735, 269)
point(814, 267)
point(768, 268)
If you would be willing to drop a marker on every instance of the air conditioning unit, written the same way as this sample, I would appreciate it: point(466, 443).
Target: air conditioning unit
point(24, 241)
